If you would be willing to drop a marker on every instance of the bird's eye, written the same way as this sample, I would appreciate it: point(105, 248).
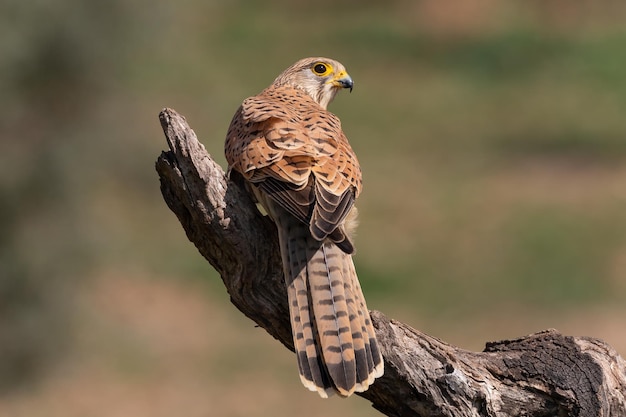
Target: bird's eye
point(322, 69)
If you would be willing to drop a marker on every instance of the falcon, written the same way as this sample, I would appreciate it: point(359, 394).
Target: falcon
point(298, 165)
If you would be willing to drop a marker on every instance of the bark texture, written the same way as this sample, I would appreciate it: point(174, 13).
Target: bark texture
point(543, 374)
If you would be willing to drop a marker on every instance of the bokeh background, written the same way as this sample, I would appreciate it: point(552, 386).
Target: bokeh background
point(492, 136)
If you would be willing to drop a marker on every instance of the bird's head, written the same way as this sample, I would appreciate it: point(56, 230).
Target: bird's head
point(320, 78)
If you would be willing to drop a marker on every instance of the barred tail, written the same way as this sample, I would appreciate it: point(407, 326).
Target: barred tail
point(333, 335)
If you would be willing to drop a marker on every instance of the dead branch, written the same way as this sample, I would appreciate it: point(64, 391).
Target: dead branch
point(543, 374)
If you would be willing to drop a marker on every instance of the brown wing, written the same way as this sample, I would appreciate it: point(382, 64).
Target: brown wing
point(296, 153)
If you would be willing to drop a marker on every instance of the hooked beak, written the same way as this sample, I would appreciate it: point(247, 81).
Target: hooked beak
point(343, 80)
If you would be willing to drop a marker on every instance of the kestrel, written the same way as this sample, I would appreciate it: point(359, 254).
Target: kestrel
point(299, 166)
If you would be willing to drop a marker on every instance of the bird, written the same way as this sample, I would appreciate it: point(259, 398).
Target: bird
point(297, 164)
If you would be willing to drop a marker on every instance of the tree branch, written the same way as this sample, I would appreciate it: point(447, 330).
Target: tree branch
point(543, 374)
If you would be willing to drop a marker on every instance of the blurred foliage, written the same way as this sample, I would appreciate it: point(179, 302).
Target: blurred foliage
point(491, 136)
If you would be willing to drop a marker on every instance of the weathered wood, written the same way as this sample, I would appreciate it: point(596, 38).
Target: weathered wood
point(543, 374)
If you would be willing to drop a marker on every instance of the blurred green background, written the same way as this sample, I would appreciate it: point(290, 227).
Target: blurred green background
point(492, 138)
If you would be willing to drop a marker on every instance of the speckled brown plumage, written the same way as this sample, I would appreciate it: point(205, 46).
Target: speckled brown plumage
point(300, 167)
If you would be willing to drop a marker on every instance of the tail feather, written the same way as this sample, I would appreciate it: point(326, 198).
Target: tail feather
point(362, 351)
point(334, 339)
point(329, 301)
point(375, 365)
point(312, 371)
